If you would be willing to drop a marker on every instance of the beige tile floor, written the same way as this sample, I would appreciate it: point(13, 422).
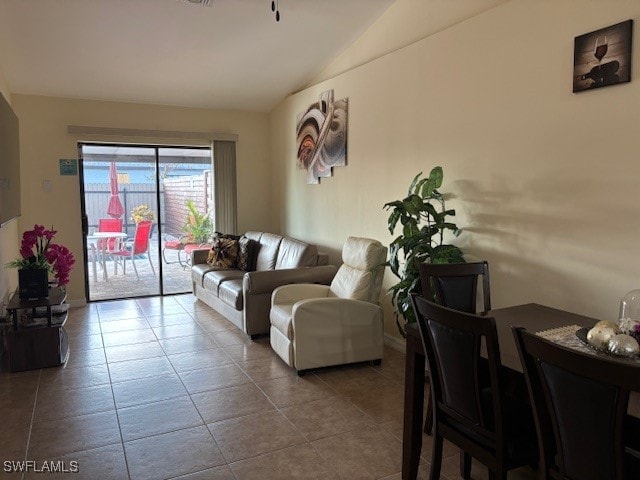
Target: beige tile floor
point(160, 388)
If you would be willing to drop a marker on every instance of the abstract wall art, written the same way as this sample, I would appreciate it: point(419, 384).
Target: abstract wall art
point(603, 57)
point(321, 133)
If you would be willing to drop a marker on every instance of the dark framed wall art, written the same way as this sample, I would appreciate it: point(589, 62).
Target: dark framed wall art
point(603, 57)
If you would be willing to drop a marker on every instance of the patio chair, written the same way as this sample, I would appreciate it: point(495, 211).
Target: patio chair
point(132, 248)
point(176, 243)
point(109, 225)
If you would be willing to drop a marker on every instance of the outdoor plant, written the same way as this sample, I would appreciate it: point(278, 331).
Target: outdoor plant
point(141, 213)
point(37, 251)
point(422, 215)
point(198, 227)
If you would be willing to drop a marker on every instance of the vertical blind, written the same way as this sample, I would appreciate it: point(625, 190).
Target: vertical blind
point(224, 172)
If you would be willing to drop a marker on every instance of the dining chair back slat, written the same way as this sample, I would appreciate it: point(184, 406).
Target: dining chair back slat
point(580, 403)
point(455, 285)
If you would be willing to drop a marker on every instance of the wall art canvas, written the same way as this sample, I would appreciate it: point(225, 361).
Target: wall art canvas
point(321, 133)
point(603, 57)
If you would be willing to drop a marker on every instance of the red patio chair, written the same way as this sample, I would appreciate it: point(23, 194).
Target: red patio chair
point(109, 225)
point(138, 246)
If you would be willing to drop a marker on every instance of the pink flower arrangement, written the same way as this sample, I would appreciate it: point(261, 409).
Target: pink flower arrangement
point(37, 251)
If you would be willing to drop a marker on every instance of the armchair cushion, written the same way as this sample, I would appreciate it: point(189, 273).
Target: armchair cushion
point(358, 277)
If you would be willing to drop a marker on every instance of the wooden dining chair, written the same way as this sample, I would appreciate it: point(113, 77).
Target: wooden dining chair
point(470, 405)
point(580, 407)
point(455, 285)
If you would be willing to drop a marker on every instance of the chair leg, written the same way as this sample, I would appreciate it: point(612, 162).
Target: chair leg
point(135, 269)
point(465, 465)
point(150, 263)
point(428, 422)
point(436, 457)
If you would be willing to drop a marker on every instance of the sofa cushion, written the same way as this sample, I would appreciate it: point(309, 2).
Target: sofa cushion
point(224, 253)
point(295, 254)
point(230, 292)
point(254, 236)
point(198, 272)
point(214, 278)
point(268, 251)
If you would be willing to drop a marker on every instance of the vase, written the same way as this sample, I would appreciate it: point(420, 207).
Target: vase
point(33, 283)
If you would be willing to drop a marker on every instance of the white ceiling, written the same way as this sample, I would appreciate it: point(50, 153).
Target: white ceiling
point(233, 55)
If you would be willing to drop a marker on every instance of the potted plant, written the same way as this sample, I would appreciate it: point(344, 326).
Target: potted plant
point(198, 227)
point(141, 213)
point(424, 219)
point(39, 257)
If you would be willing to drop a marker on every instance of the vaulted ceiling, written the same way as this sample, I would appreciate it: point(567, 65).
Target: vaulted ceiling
point(232, 55)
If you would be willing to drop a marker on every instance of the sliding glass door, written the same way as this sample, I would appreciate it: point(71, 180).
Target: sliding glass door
point(142, 207)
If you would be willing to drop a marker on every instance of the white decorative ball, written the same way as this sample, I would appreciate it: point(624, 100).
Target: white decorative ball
point(624, 345)
point(608, 324)
point(599, 337)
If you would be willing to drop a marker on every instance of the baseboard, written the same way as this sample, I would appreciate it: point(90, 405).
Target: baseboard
point(77, 303)
point(396, 343)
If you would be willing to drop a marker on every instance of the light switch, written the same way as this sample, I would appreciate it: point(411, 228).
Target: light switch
point(47, 185)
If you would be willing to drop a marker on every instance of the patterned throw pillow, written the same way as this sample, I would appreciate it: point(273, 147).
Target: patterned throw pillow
point(224, 253)
point(248, 254)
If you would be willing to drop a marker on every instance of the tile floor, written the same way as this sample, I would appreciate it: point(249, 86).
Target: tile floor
point(167, 388)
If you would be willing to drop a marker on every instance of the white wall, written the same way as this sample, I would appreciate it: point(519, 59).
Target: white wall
point(404, 22)
point(544, 181)
point(44, 140)
point(8, 235)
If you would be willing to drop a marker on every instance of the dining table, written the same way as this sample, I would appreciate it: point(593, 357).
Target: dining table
point(99, 252)
point(534, 317)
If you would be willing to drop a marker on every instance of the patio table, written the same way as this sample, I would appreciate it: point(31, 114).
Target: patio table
point(99, 254)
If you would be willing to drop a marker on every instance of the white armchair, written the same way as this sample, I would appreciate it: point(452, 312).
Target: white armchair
point(320, 325)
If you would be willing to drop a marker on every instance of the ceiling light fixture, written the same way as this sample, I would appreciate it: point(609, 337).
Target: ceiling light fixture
point(274, 8)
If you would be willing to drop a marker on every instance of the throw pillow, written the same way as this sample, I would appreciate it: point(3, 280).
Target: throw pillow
point(247, 255)
point(224, 253)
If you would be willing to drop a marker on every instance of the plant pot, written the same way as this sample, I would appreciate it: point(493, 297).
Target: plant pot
point(33, 283)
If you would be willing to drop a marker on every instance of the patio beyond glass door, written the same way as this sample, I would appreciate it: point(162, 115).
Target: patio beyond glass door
point(144, 207)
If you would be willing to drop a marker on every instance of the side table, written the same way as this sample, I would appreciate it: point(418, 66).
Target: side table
point(41, 341)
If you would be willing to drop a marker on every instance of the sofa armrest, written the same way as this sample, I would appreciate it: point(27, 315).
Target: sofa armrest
point(298, 291)
point(265, 281)
point(199, 256)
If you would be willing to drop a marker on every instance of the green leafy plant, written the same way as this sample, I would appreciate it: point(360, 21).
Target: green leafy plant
point(422, 214)
point(198, 227)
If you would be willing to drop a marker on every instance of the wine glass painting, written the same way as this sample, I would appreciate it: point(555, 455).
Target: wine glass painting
point(603, 57)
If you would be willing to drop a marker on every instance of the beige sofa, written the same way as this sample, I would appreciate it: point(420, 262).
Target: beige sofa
point(244, 298)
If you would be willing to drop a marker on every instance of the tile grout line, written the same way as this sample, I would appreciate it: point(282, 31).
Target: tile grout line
point(113, 397)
